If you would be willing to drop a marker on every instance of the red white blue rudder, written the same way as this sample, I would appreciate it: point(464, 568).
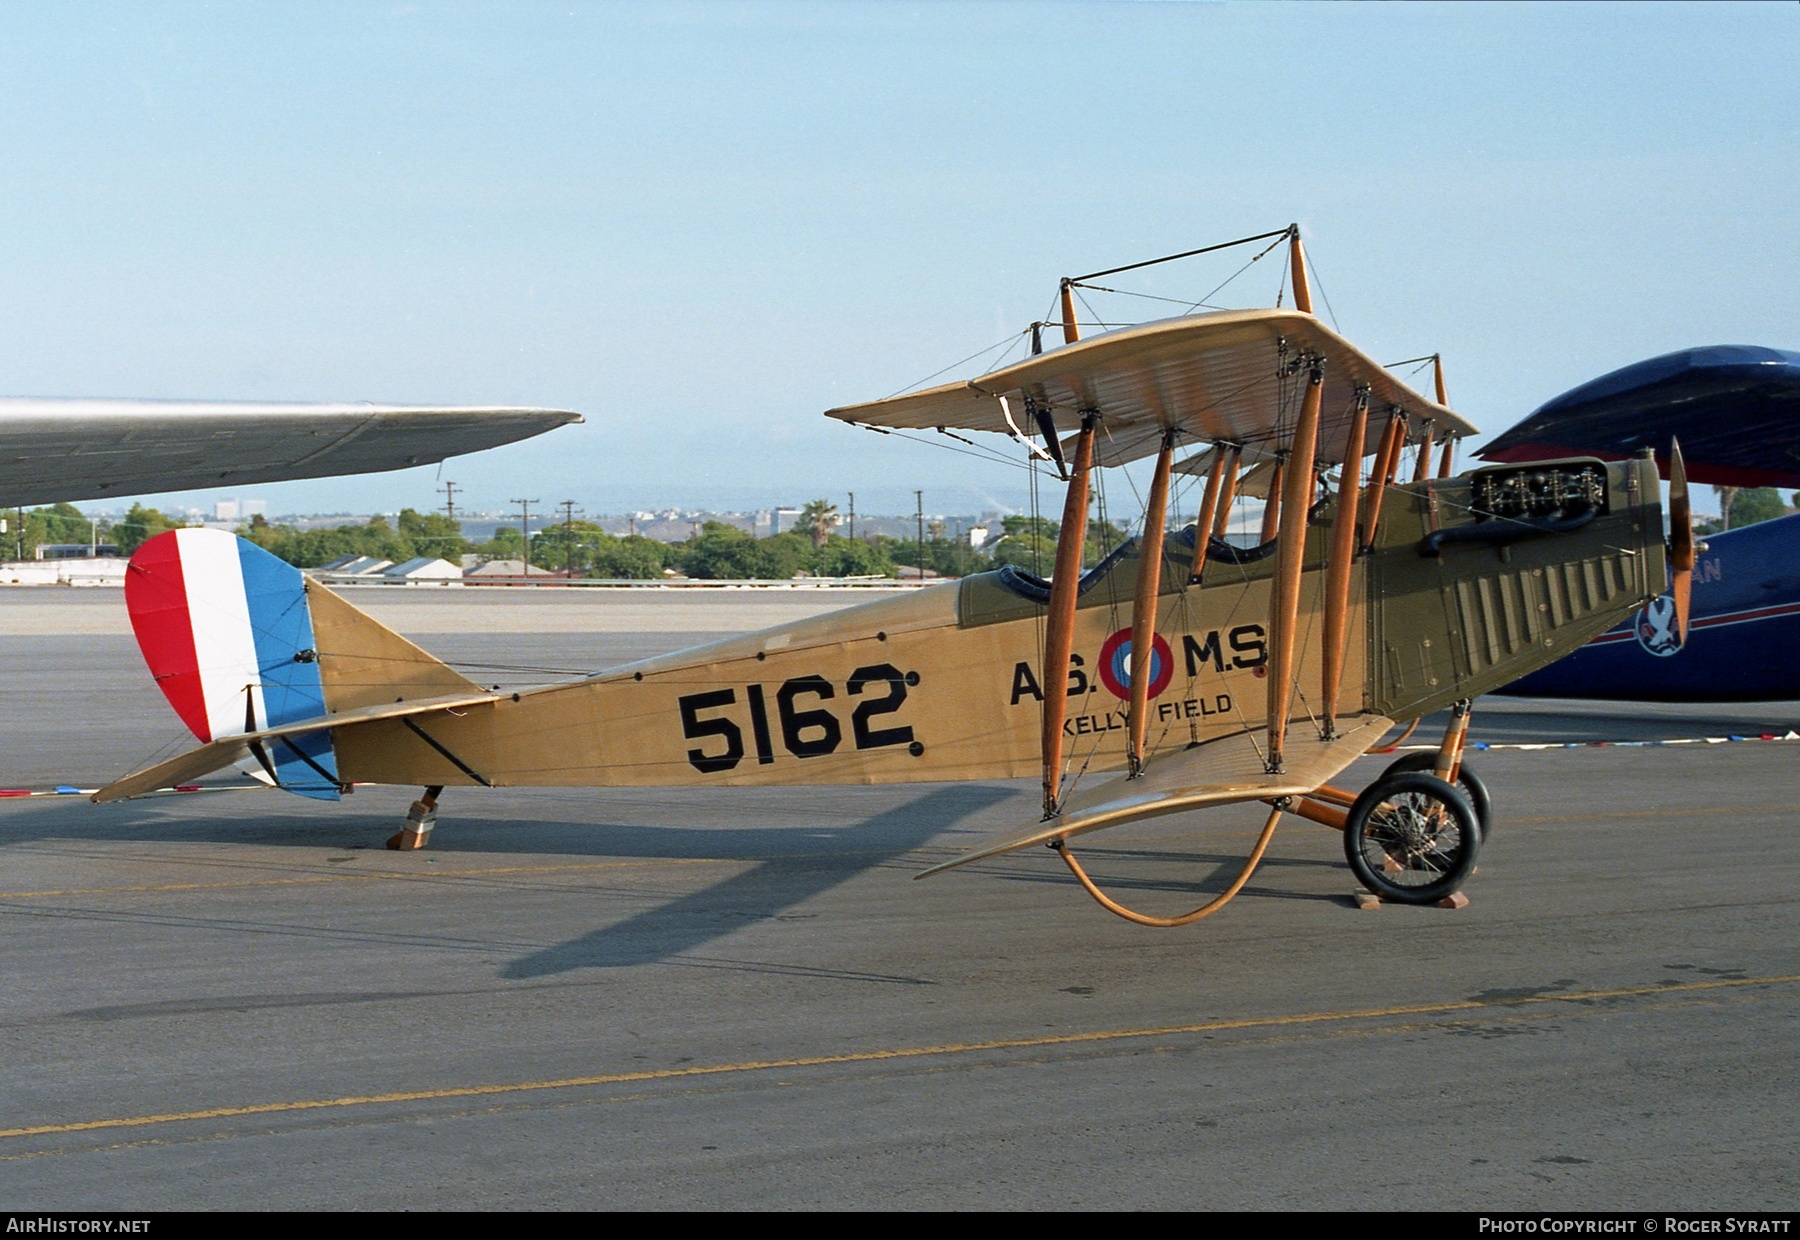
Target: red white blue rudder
point(228, 636)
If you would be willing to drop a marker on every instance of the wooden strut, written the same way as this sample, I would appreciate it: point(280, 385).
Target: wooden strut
point(1209, 509)
point(1297, 262)
point(1423, 469)
point(1143, 606)
point(1387, 463)
point(1071, 332)
point(1290, 554)
point(1449, 455)
point(1223, 521)
point(1205, 910)
point(1450, 751)
point(1342, 559)
point(1059, 629)
point(1271, 521)
point(1319, 811)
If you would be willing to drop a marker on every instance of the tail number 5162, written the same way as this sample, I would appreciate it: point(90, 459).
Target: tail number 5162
point(808, 727)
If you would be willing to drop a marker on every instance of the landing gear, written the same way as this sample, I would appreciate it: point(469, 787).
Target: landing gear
point(1467, 782)
point(420, 819)
point(1412, 838)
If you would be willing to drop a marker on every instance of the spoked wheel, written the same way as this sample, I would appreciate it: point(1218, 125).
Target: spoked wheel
point(1412, 838)
point(1467, 782)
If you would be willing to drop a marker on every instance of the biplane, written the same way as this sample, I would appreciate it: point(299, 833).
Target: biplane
point(1182, 671)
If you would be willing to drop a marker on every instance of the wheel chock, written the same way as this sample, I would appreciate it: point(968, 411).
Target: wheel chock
point(1368, 901)
point(420, 819)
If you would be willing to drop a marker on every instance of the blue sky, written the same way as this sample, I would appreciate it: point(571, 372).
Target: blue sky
point(701, 225)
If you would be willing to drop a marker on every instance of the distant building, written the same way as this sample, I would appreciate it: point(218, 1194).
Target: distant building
point(225, 510)
point(424, 570)
point(497, 568)
point(75, 551)
point(354, 566)
point(978, 536)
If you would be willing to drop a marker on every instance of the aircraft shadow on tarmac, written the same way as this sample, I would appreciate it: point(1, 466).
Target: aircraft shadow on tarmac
point(1103, 864)
point(792, 864)
point(763, 892)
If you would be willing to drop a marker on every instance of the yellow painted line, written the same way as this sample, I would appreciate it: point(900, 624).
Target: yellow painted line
point(854, 1057)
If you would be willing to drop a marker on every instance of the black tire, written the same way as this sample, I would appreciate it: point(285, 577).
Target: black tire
point(1412, 838)
point(1467, 782)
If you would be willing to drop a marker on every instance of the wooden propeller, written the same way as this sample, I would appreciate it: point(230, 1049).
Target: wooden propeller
point(1681, 538)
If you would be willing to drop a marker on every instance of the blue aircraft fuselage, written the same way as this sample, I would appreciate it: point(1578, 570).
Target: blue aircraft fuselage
point(1742, 641)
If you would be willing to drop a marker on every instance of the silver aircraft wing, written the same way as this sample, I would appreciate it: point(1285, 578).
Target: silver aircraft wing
point(54, 450)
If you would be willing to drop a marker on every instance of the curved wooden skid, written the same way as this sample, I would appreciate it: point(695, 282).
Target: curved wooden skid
point(1186, 919)
point(1221, 772)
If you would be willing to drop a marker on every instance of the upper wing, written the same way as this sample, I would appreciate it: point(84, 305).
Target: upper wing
point(1216, 773)
point(1735, 408)
point(1219, 377)
point(56, 450)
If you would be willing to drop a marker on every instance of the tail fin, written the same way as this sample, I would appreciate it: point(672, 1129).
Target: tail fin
point(241, 642)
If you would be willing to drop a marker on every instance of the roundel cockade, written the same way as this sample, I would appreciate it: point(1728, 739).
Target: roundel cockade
point(1115, 665)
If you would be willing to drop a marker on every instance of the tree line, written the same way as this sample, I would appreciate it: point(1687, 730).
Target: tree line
point(716, 551)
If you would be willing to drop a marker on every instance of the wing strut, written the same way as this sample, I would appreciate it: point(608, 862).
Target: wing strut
point(1222, 477)
point(1223, 521)
point(1387, 463)
point(1422, 470)
point(1297, 261)
point(1271, 521)
point(1296, 494)
point(1071, 332)
point(1343, 556)
point(1059, 630)
point(1143, 607)
point(1448, 457)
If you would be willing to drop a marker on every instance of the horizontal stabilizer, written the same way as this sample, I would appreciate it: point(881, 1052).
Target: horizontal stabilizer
point(1219, 772)
point(219, 754)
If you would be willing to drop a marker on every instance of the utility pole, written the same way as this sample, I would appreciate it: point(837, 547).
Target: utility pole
point(568, 507)
point(920, 497)
point(525, 528)
point(853, 516)
point(449, 490)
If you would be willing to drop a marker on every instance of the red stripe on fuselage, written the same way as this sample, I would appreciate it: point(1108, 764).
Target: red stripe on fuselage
point(156, 600)
point(1710, 622)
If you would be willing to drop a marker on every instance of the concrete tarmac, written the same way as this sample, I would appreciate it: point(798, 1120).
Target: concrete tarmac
point(687, 998)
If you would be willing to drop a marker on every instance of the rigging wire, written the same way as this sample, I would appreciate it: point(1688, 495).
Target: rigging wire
point(1240, 271)
point(1169, 258)
point(1313, 265)
point(1125, 292)
point(1012, 339)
